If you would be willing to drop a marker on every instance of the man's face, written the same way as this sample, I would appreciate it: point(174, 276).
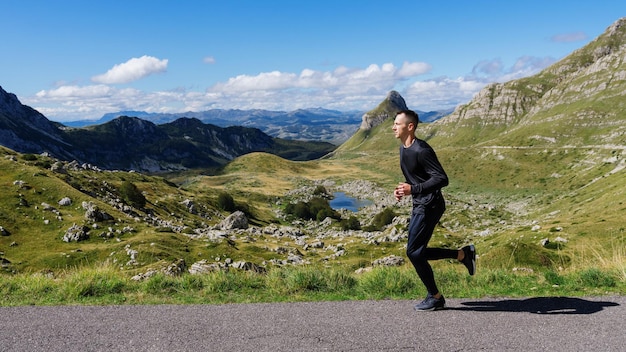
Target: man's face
point(401, 126)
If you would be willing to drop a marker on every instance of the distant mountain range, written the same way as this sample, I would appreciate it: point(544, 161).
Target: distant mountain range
point(130, 143)
point(315, 124)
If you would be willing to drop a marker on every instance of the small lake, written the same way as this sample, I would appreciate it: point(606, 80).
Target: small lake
point(343, 201)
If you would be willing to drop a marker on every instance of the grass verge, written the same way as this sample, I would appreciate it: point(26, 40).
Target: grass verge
point(107, 286)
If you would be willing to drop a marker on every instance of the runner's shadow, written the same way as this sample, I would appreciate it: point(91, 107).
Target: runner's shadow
point(538, 305)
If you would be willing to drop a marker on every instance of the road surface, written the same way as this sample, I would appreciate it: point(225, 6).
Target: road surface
point(490, 324)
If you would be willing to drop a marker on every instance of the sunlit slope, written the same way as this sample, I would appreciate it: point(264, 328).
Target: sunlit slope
point(271, 175)
point(35, 222)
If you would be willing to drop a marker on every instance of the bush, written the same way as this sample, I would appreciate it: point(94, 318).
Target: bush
point(352, 223)
point(320, 191)
point(317, 208)
point(29, 157)
point(301, 210)
point(381, 220)
point(132, 195)
point(385, 282)
point(554, 278)
point(326, 213)
point(225, 202)
point(385, 217)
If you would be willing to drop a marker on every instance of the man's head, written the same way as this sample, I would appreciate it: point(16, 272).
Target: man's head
point(405, 123)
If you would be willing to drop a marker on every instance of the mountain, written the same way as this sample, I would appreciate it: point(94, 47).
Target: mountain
point(314, 124)
point(127, 143)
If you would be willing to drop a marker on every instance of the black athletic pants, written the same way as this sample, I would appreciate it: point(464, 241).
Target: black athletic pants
point(421, 227)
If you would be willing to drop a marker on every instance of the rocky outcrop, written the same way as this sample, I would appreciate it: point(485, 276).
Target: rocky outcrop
point(590, 77)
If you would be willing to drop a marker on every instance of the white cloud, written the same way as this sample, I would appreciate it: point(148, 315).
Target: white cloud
point(441, 93)
point(68, 103)
point(372, 76)
point(209, 60)
point(410, 69)
point(342, 88)
point(65, 92)
point(132, 70)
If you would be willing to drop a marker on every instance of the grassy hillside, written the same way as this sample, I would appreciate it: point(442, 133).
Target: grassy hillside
point(35, 221)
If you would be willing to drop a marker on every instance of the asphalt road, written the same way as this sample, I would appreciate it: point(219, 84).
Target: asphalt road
point(533, 324)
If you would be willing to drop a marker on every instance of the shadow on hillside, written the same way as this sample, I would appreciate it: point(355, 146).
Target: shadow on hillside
point(538, 305)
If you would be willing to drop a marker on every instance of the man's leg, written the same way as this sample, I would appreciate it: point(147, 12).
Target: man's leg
point(421, 228)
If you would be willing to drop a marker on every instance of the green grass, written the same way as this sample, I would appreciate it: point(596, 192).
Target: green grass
point(106, 285)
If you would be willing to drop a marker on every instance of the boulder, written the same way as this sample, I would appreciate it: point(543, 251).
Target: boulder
point(236, 220)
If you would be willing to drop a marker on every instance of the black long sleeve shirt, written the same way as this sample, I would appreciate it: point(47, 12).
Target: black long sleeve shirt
point(422, 170)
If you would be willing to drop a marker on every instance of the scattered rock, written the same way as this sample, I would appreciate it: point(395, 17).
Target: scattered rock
point(58, 168)
point(527, 270)
point(203, 267)
point(176, 269)
point(364, 270)
point(392, 260)
point(147, 274)
point(76, 233)
point(191, 207)
point(93, 213)
point(65, 201)
point(249, 266)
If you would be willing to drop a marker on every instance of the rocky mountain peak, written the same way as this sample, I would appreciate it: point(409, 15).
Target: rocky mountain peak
point(393, 103)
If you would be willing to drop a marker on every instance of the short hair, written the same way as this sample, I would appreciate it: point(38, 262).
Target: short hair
point(411, 115)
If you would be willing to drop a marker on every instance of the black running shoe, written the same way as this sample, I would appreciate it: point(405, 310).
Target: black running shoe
point(470, 258)
point(431, 303)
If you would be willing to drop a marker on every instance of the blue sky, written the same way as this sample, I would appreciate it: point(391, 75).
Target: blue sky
point(75, 60)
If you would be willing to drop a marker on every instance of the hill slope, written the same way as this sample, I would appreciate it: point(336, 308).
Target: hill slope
point(539, 157)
